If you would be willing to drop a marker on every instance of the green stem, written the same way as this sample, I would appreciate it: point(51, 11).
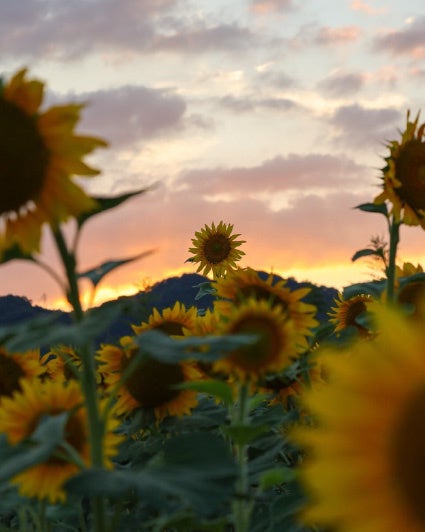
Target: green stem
point(394, 230)
point(88, 375)
point(242, 506)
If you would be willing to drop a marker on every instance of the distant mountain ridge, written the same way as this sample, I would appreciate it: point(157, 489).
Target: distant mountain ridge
point(164, 294)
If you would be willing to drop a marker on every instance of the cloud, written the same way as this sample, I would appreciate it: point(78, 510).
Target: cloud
point(70, 30)
point(359, 5)
point(201, 38)
point(270, 6)
point(357, 126)
point(294, 172)
point(330, 36)
point(407, 41)
point(131, 113)
point(342, 84)
point(248, 104)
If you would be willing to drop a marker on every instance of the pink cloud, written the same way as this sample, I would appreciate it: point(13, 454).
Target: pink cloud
point(359, 5)
point(407, 41)
point(269, 6)
point(344, 34)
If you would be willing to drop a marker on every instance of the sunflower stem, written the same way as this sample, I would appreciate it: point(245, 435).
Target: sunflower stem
point(88, 376)
point(394, 230)
point(242, 506)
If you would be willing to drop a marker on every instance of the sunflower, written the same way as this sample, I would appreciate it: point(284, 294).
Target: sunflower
point(215, 249)
point(39, 152)
point(408, 269)
point(365, 459)
point(15, 367)
point(413, 294)
point(19, 416)
point(271, 351)
point(241, 284)
point(404, 175)
point(151, 384)
point(174, 321)
point(347, 311)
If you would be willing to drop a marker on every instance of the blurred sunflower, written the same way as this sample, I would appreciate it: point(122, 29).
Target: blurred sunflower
point(365, 458)
point(63, 362)
point(272, 351)
point(15, 367)
point(151, 383)
point(174, 321)
point(347, 311)
point(412, 294)
point(39, 152)
point(215, 249)
point(404, 175)
point(241, 284)
point(408, 269)
point(19, 416)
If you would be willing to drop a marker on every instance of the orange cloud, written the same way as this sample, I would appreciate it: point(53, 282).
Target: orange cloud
point(359, 5)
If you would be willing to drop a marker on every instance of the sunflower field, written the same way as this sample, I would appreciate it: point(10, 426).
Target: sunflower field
point(248, 416)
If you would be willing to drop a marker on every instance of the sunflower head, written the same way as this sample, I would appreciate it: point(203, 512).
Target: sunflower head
point(404, 175)
point(364, 458)
point(347, 311)
point(19, 417)
point(271, 350)
point(39, 153)
point(17, 366)
point(215, 249)
point(151, 384)
point(241, 284)
point(174, 321)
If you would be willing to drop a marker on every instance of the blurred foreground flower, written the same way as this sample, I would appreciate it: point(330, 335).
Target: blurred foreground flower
point(19, 417)
point(39, 152)
point(17, 366)
point(365, 457)
point(404, 175)
point(215, 249)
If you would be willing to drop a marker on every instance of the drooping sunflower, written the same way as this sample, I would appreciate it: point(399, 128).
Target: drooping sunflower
point(151, 384)
point(404, 175)
point(174, 321)
point(273, 349)
point(39, 153)
point(243, 283)
point(17, 366)
point(19, 417)
point(215, 249)
point(347, 311)
point(364, 457)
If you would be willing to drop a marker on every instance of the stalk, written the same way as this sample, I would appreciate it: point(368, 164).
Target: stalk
point(394, 230)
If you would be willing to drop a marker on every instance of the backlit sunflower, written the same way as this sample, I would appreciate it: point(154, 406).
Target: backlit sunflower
point(241, 284)
point(404, 175)
point(19, 417)
point(174, 321)
point(15, 367)
point(151, 384)
point(408, 269)
point(365, 458)
point(347, 311)
point(39, 153)
point(215, 249)
point(272, 351)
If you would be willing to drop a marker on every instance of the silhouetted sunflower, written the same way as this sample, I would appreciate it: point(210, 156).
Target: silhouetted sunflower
point(404, 175)
point(19, 417)
point(39, 153)
point(215, 249)
point(364, 456)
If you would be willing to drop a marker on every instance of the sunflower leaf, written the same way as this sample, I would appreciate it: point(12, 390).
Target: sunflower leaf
point(219, 389)
point(105, 203)
point(373, 288)
point(244, 434)
point(366, 253)
point(95, 275)
point(15, 253)
point(380, 208)
point(276, 475)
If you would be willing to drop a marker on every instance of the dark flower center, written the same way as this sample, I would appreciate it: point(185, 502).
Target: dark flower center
point(150, 383)
point(262, 294)
point(23, 158)
point(410, 171)
point(75, 435)
point(10, 374)
point(413, 293)
point(172, 328)
point(217, 248)
point(408, 455)
point(264, 349)
point(353, 312)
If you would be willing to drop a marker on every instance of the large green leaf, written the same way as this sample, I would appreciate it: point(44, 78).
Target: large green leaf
point(104, 203)
point(366, 253)
point(380, 208)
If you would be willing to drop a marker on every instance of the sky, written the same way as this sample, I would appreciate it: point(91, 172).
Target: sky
point(271, 115)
